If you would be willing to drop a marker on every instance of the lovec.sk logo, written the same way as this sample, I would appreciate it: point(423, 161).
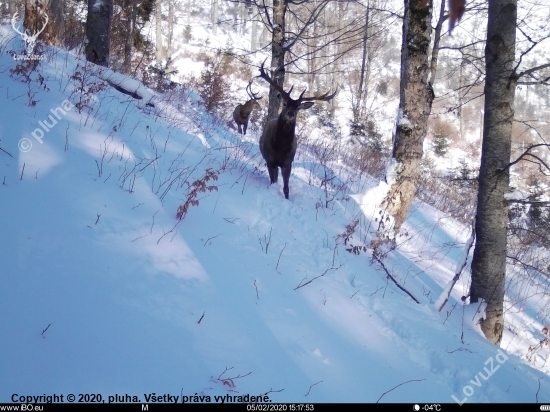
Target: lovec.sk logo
point(29, 38)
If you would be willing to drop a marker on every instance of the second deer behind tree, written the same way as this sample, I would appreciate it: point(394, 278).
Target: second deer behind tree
point(241, 114)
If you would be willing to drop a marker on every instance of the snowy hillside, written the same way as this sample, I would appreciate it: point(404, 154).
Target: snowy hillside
point(104, 291)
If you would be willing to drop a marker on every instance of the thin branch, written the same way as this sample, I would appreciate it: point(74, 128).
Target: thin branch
point(47, 327)
point(393, 279)
point(280, 256)
point(532, 70)
point(458, 272)
point(412, 380)
point(312, 387)
point(527, 266)
point(527, 153)
point(8, 153)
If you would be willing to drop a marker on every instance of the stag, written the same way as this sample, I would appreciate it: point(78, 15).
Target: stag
point(278, 141)
point(29, 39)
point(241, 114)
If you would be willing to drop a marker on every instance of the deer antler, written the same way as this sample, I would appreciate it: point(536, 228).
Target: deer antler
point(15, 28)
point(251, 93)
point(268, 79)
point(324, 97)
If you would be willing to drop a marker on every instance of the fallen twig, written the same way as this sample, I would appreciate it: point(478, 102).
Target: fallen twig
point(312, 387)
point(412, 380)
point(393, 279)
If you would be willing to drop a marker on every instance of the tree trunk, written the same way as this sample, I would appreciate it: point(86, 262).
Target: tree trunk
point(98, 25)
point(356, 106)
point(57, 22)
point(253, 34)
point(158, 31)
point(489, 260)
point(277, 56)
point(215, 17)
point(171, 20)
point(416, 96)
point(130, 10)
point(11, 7)
point(437, 40)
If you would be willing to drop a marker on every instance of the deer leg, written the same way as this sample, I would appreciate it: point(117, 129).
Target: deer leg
point(244, 128)
point(273, 173)
point(285, 171)
point(239, 126)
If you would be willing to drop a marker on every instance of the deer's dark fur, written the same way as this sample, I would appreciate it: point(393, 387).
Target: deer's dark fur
point(278, 141)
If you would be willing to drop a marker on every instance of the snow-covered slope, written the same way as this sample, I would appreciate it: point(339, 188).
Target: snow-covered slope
point(103, 291)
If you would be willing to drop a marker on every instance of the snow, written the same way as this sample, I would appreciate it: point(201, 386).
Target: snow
point(403, 121)
point(392, 172)
point(460, 264)
point(516, 195)
point(97, 4)
point(126, 83)
point(104, 291)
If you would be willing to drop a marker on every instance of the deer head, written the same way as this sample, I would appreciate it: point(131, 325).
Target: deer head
point(28, 38)
point(292, 106)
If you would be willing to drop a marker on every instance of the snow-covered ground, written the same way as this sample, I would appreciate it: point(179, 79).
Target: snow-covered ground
point(103, 291)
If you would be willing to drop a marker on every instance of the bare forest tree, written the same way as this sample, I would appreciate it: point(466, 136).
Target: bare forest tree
point(98, 25)
point(301, 32)
point(416, 96)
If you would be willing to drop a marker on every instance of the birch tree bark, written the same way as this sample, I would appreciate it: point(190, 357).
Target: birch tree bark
point(489, 260)
point(416, 96)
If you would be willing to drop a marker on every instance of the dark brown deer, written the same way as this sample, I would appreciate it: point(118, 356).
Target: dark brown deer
point(241, 114)
point(278, 142)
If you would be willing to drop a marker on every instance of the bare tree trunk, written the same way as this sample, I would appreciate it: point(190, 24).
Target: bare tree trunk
point(171, 20)
point(56, 30)
point(356, 109)
point(11, 6)
point(130, 9)
point(98, 25)
point(253, 34)
point(437, 40)
point(489, 260)
point(416, 96)
point(215, 17)
point(311, 60)
point(277, 56)
point(158, 31)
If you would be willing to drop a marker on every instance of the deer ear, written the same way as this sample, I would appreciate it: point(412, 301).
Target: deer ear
point(305, 105)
